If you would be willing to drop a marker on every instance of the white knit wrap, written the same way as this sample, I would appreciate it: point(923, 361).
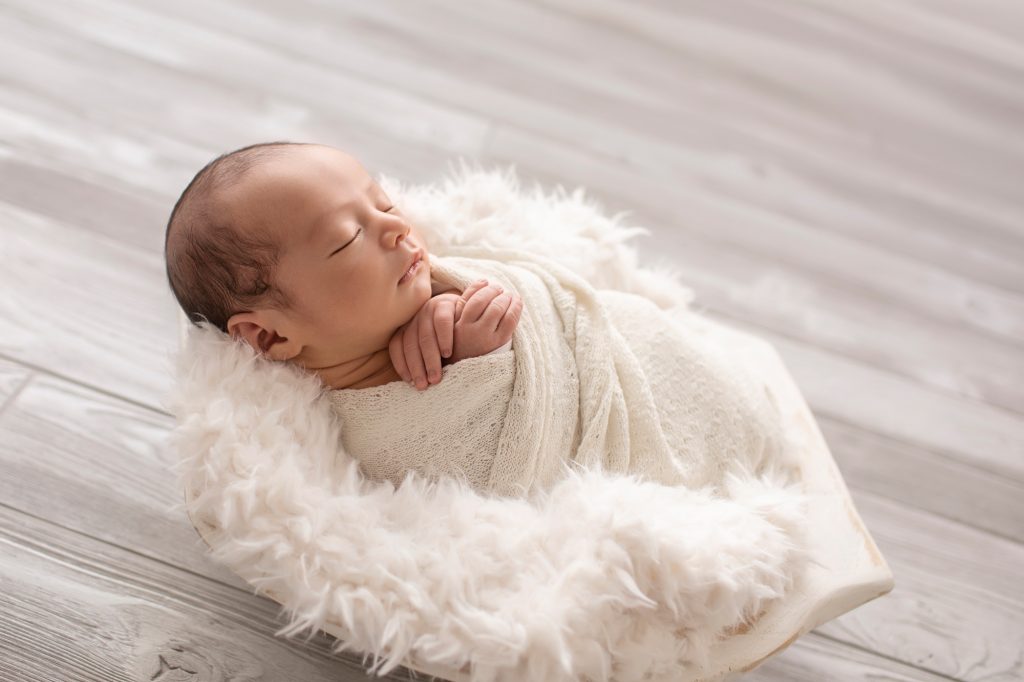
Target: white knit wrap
point(600, 378)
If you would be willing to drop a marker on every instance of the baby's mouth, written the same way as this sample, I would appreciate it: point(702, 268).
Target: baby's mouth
point(413, 269)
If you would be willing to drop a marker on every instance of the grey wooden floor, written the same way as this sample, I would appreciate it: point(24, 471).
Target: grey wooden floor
point(845, 179)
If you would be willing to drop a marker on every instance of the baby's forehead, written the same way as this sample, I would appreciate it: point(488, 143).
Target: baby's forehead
point(285, 185)
point(312, 169)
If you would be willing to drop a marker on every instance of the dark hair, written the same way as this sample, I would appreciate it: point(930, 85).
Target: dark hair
point(216, 268)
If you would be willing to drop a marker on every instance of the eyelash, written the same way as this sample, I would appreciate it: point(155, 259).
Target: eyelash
point(360, 231)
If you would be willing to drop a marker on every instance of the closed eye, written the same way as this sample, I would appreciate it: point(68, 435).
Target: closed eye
point(357, 234)
point(347, 243)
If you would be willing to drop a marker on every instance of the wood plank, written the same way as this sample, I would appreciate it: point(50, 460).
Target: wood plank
point(818, 659)
point(256, 92)
point(77, 608)
point(96, 42)
point(42, 164)
point(13, 377)
point(998, 27)
point(946, 575)
point(873, 399)
point(108, 463)
point(941, 485)
point(863, 78)
point(842, 316)
point(88, 308)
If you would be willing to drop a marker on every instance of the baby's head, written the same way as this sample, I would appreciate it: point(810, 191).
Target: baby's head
point(294, 248)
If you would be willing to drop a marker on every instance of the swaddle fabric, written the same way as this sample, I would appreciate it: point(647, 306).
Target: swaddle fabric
point(599, 378)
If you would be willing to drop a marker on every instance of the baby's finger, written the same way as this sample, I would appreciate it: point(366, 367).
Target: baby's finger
point(476, 305)
point(430, 350)
point(397, 354)
point(511, 319)
point(413, 355)
point(473, 288)
point(444, 326)
point(496, 309)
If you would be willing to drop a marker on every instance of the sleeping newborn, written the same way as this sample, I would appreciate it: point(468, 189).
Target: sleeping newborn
point(295, 249)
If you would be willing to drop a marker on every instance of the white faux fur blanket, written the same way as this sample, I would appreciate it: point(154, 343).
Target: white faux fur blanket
point(599, 575)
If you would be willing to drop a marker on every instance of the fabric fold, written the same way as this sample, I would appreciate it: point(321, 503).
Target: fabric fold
point(585, 387)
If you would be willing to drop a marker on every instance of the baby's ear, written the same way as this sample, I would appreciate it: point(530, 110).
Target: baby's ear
point(251, 329)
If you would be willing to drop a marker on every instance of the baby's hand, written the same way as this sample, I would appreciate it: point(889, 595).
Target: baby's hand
point(485, 319)
point(416, 348)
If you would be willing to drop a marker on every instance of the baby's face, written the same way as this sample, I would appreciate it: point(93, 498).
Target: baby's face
point(344, 249)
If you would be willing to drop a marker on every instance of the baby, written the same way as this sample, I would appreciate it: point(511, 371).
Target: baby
point(295, 249)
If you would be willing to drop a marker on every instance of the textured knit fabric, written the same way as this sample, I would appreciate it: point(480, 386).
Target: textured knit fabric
point(598, 378)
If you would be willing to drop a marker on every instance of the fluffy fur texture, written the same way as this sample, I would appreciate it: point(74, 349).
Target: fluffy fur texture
point(599, 577)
